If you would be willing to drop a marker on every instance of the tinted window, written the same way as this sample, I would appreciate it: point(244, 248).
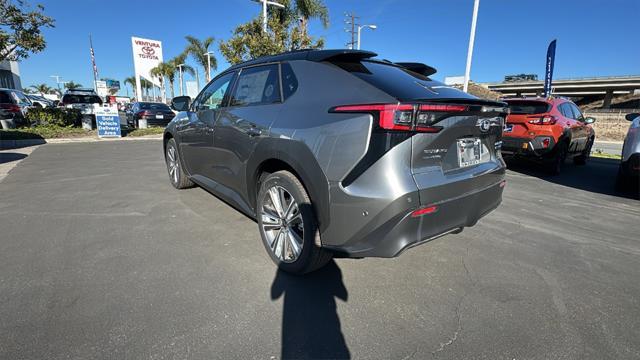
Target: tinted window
point(20, 97)
point(528, 107)
point(154, 106)
point(257, 86)
point(577, 114)
point(289, 81)
point(212, 97)
point(399, 82)
point(565, 111)
point(81, 99)
point(5, 98)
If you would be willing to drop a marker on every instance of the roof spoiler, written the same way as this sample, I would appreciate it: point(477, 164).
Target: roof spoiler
point(340, 55)
point(419, 68)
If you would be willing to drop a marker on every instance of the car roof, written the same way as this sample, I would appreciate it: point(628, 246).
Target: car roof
point(310, 55)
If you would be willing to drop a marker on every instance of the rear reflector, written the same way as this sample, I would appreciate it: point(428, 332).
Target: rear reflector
point(424, 211)
point(10, 108)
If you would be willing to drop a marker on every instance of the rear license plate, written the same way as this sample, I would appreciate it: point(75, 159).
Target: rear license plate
point(508, 128)
point(159, 116)
point(469, 152)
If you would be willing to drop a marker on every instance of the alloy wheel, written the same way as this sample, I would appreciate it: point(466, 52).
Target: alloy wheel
point(172, 164)
point(282, 224)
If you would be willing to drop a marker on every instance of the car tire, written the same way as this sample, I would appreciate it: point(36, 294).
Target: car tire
point(177, 176)
point(586, 154)
point(288, 225)
point(556, 163)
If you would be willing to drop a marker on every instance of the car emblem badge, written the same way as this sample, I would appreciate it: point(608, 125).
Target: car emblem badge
point(484, 124)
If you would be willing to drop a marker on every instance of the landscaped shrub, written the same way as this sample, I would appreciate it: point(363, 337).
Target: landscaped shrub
point(54, 116)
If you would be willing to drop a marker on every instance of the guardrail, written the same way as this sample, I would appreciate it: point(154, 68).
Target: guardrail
point(613, 111)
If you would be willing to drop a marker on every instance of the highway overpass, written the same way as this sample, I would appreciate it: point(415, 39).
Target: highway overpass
point(590, 88)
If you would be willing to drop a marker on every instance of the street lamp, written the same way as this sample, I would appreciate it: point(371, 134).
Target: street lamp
point(208, 55)
point(360, 27)
point(472, 38)
point(57, 77)
point(179, 66)
point(264, 11)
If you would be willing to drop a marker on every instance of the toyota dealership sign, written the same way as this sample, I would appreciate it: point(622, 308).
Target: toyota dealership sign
point(147, 54)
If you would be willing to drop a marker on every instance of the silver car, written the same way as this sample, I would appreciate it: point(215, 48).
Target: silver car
point(336, 153)
point(629, 171)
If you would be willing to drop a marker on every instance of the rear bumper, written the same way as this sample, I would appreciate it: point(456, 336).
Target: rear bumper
point(403, 231)
point(631, 167)
point(528, 147)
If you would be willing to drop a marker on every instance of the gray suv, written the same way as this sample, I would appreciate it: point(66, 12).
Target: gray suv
point(336, 153)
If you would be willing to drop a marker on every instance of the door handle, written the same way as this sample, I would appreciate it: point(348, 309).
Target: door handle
point(254, 131)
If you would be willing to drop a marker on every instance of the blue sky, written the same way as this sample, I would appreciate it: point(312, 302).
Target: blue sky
point(595, 38)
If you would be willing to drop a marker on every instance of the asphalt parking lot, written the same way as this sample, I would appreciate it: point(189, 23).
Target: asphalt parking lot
point(101, 258)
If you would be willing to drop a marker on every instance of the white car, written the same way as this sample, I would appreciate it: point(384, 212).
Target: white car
point(629, 172)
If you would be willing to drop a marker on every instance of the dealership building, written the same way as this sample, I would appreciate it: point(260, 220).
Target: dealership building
point(10, 75)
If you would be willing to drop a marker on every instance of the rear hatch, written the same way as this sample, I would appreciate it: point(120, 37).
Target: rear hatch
point(521, 113)
point(84, 103)
point(455, 137)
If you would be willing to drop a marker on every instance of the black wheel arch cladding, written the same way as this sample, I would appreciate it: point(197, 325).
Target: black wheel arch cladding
point(301, 160)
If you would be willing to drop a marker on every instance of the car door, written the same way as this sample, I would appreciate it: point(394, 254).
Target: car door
point(580, 131)
point(254, 105)
point(196, 132)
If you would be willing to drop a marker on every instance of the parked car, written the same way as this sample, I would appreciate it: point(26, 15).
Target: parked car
point(156, 114)
point(629, 170)
point(13, 107)
point(336, 153)
point(83, 100)
point(40, 101)
point(547, 130)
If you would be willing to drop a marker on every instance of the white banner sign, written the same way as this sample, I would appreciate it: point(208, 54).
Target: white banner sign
point(147, 54)
point(101, 88)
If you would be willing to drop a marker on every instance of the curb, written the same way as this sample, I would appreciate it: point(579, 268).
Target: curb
point(14, 144)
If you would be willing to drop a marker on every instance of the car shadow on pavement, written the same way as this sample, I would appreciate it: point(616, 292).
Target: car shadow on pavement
point(310, 323)
point(598, 175)
point(7, 157)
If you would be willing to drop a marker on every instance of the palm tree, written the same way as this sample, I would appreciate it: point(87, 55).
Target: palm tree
point(198, 50)
point(165, 70)
point(186, 69)
point(310, 9)
point(41, 88)
point(71, 85)
point(131, 80)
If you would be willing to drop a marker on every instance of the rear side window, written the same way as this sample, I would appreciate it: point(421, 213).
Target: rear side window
point(258, 85)
point(528, 107)
point(81, 99)
point(5, 98)
point(154, 106)
point(289, 81)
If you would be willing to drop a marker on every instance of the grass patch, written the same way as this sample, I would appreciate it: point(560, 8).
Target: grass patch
point(154, 130)
point(45, 132)
point(597, 154)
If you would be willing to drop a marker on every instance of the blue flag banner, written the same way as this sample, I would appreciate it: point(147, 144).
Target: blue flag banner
point(548, 74)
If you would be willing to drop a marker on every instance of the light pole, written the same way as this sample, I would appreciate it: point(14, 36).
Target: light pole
point(472, 38)
point(360, 27)
point(179, 66)
point(264, 11)
point(57, 77)
point(208, 55)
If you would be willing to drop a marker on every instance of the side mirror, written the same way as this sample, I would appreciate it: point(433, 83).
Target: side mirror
point(632, 116)
point(181, 103)
point(589, 120)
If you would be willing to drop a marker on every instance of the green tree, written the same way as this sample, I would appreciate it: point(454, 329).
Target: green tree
point(310, 9)
point(20, 29)
point(71, 85)
point(249, 41)
point(42, 88)
point(198, 49)
point(131, 80)
point(186, 69)
point(166, 71)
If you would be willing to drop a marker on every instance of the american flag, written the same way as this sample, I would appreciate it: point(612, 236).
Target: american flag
point(93, 59)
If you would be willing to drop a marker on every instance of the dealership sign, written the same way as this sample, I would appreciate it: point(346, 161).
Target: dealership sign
point(147, 54)
point(107, 120)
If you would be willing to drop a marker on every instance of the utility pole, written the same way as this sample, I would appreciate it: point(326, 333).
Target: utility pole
point(264, 11)
point(472, 38)
point(350, 22)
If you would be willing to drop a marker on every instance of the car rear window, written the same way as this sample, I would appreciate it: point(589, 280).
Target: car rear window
point(81, 99)
point(5, 98)
point(399, 82)
point(154, 106)
point(528, 107)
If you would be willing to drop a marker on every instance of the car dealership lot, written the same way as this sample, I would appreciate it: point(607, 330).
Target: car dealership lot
point(101, 258)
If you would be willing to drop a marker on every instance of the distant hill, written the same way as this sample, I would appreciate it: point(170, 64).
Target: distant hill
point(481, 91)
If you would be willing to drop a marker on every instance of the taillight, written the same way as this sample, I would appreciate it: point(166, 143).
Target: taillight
point(405, 117)
point(143, 113)
point(10, 108)
point(424, 211)
point(544, 120)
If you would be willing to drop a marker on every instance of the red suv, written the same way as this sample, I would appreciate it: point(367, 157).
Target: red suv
point(547, 130)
